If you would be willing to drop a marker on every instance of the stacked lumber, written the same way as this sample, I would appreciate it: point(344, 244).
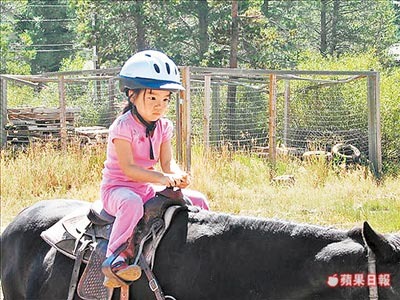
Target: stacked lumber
point(38, 123)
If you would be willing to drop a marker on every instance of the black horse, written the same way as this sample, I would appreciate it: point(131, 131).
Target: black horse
point(216, 256)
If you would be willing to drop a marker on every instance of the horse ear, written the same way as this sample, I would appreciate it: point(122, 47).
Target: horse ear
point(378, 243)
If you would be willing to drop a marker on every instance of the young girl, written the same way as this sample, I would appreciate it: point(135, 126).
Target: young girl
point(138, 139)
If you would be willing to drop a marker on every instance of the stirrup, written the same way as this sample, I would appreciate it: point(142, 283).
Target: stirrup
point(128, 274)
point(106, 266)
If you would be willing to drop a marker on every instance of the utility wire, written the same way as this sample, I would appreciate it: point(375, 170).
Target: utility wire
point(47, 5)
point(49, 45)
point(44, 20)
point(48, 50)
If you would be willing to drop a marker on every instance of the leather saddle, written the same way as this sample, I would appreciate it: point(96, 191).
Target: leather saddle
point(83, 236)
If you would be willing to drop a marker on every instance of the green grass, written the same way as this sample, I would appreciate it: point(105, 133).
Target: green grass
point(238, 183)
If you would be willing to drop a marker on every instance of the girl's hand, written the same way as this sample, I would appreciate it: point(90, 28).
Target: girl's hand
point(177, 180)
point(185, 181)
point(172, 180)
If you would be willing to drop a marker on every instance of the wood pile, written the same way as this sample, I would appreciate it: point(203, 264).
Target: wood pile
point(38, 123)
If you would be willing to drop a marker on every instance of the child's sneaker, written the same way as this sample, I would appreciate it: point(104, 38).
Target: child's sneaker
point(124, 271)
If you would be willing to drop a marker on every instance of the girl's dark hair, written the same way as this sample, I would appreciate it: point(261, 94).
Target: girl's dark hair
point(129, 106)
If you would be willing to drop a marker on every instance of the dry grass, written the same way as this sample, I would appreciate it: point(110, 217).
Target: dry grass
point(236, 183)
point(44, 172)
point(322, 194)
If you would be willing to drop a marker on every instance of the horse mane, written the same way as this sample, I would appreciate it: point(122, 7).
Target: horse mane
point(217, 223)
point(356, 235)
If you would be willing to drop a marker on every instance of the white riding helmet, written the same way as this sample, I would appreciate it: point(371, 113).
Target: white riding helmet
point(150, 69)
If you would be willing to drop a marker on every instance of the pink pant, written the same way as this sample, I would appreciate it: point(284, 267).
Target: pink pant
point(127, 207)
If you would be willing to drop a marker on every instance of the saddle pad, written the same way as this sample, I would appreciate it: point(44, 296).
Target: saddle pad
point(91, 286)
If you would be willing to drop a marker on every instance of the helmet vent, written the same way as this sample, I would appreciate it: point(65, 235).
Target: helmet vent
point(157, 68)
point(176, 71)
point(148, 55)
point(168, 68)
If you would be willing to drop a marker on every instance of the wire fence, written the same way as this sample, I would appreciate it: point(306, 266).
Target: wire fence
point(235, 114)
point(312, 113)
point(255, 110)
point(321, 116)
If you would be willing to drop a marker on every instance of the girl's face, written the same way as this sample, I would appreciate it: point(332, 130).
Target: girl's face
point(152, 104)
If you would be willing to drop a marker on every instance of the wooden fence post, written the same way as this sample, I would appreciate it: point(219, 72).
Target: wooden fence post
point(183, 124)
point(272, 120)
point(186, 121)
point(286, 112)
point(3, 120)
point(111, 97)
point(216, 118)
point(63, 112)
point(206, 113)
point(178, 147)
point(374, 124)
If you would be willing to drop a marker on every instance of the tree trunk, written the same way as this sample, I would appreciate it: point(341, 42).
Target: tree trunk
point(234, 35)
point(203, 11)
point(324, 29)
point(231, 101)
point(335, 17)
point(138, 17)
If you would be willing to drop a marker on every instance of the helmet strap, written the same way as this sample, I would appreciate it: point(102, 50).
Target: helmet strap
point(150, 127)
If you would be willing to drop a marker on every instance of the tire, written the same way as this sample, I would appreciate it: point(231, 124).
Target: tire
point(347, 153)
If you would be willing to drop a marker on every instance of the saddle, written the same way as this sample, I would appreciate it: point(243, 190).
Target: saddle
point(83, 236)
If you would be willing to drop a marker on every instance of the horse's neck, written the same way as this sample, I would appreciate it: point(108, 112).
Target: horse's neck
point(214, 224)
point(298, 242)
